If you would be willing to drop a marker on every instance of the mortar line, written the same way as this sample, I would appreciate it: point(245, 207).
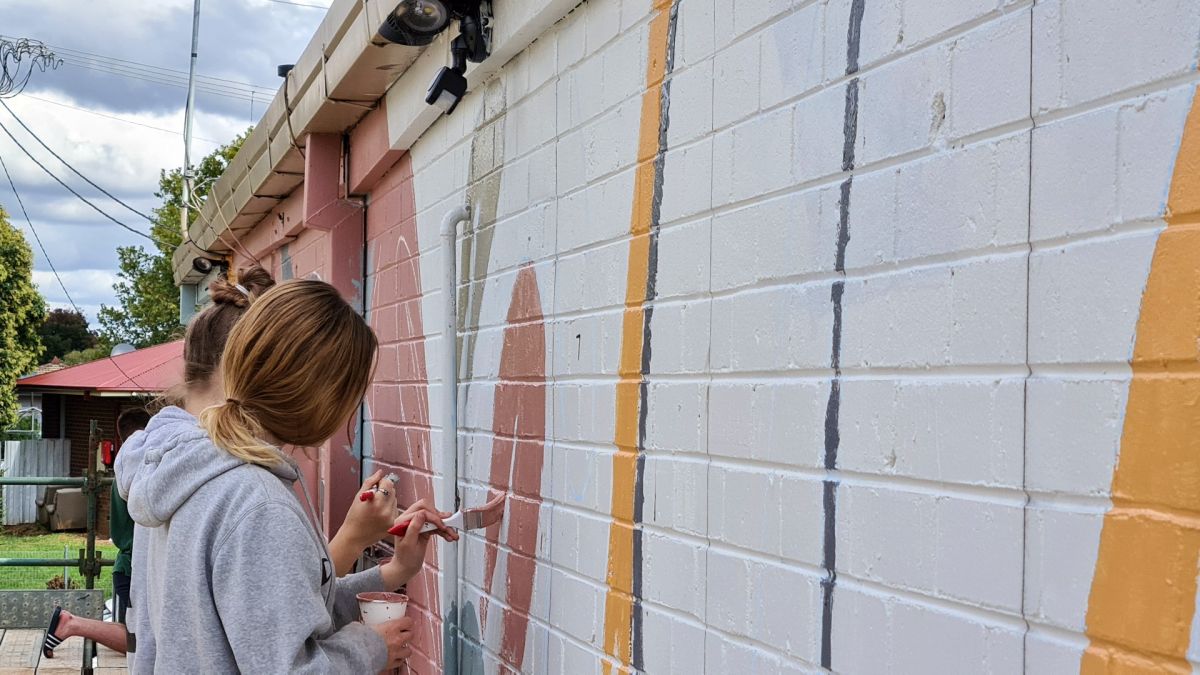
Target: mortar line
point(1033, 123)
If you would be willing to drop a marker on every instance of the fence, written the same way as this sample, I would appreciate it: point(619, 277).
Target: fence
point(31, 458)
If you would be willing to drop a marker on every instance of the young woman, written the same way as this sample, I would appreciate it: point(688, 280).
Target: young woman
point(229, 572)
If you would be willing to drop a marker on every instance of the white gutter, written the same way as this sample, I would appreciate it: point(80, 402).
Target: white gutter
point(451, 605)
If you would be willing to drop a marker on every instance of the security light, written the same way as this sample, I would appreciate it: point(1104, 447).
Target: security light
point(415, 22)
point(204, 265)
point(449, 85)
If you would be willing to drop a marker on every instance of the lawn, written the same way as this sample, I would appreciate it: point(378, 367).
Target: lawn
point(28, 542)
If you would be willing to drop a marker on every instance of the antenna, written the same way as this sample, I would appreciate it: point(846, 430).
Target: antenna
point(187, 124)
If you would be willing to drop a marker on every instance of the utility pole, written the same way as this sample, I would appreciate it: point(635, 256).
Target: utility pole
point(187, 122)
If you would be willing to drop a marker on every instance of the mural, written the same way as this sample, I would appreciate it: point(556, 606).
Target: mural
point(399, 398)
point(518, 452)
point(1143, 597)
point(622, 621)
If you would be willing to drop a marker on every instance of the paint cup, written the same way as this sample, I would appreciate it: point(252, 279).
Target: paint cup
point(379, 607)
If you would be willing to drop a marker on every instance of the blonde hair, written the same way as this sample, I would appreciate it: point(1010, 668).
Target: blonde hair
point(295, 367)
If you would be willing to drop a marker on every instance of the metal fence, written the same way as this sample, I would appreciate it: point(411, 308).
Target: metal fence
point(89, 561)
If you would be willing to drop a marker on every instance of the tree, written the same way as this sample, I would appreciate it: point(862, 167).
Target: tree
point(65, 330)
point(148, 299)
point(98, 351)
point(21, 311)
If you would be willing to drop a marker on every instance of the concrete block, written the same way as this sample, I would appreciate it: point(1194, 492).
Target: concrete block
point(957, 431)
point(772, 329)
point(1060, 560)
point(1085, 299)
point(1073, 433)
point(791, 235)
point(736, 72)
point(769, 421)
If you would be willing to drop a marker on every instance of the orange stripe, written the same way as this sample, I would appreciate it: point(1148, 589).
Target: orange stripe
point(1143, 593)
point(618, 605)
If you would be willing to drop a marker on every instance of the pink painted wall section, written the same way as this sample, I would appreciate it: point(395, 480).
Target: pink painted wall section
point(372, 154)
point(398, 400)
point(518, 454)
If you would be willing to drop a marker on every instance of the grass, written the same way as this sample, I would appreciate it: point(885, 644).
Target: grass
point(32, 542)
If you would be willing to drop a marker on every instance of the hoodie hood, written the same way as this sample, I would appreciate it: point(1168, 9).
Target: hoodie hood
point(160, 468)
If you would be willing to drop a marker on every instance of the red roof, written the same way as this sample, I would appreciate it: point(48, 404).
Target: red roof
point(151, 370)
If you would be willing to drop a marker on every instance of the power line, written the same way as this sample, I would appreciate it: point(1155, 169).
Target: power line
point(165, 78)
point(34, 231)
point(300, 4)
point(115, 118)
point(89, 181)
point(168, 83)
point(72, 190)
point(172, 72)
point(46, 255)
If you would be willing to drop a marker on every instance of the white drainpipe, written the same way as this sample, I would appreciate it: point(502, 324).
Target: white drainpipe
point(449, 362)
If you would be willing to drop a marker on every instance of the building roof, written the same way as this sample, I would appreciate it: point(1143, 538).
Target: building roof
point(145, 371)
point(55, 364)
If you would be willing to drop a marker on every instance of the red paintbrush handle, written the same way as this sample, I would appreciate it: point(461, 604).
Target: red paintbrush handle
point(399, 530)
point(366, 496)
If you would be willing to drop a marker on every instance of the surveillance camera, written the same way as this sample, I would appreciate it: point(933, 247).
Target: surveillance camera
point(446, 90)
point(415, 22)
point(202, 265)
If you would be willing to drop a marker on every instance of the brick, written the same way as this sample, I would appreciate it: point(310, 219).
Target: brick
point(965, 200)
point(684, 260)
point(691, 110)
point(789, 597)
point(625, 67)
point(600, 212)
point(737, 70)
point(588, 345)
point(671, 644)
point(1074, 175)
point(677, 417)
point(676, 493)
point(818, 126)
point(582, 477)
point(584, 412)
point(603, 23)
point(881, 33)
point(1060, 557)
point(924, 22)
point(769, 421)
point(605, 270)
point(687, 182)
point(791, 61)
point(734, 606)
point(1085, 298)
point(725, 656)
point(672, 570)
point(748, 14)
point(952, 547)
point(681, 330)
point(786, 236)
point(1087, 50)
point(753, 158)
point(695, 32)
point(736, 520)
point(578, 608)
point(989, 80)
point(958, 431)
point(1074, 433)
point(902, 106)
point(773, 329)
point(970, 313)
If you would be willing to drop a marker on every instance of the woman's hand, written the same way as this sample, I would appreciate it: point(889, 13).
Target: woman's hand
point(367, 521)
point(410, 549)
point(398, 635)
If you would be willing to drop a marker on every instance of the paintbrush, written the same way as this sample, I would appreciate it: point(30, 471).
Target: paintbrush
point(466, 519)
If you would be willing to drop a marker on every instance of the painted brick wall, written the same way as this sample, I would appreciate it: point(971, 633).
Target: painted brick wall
point(831, 308)
point(844, 334)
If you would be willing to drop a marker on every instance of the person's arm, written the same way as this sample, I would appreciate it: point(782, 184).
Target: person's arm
point(269, 597)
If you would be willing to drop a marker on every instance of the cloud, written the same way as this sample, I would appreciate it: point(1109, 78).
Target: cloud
point(72, 110)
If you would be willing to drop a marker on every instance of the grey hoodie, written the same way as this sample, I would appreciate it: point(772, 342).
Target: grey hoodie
point(229, 574)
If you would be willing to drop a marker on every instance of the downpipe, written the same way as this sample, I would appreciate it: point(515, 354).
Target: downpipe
point(452, 553)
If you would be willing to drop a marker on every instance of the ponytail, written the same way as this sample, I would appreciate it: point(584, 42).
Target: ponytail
point(235, 429)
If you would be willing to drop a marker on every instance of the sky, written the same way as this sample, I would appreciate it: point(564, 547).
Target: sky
point(121, 130)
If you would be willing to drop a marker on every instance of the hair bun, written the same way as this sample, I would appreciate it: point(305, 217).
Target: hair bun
point(224, 293)
point(255, 280)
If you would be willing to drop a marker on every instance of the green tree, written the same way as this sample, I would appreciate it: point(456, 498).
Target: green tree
point(148, 299)
point(98, 351)
point(21, 311)
point(65, 330)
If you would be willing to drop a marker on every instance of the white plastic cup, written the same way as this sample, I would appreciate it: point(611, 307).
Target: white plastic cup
point(379, 607)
